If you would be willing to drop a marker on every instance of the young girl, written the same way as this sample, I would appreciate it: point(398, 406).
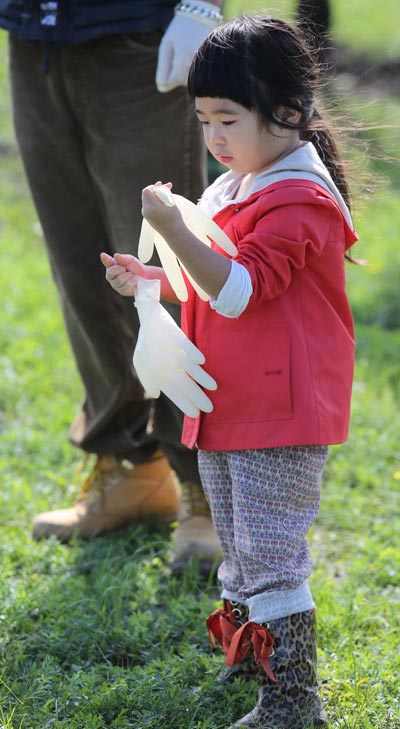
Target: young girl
point(277, 335)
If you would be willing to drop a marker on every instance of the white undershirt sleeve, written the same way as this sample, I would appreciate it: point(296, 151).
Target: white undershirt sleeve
point(235, 293)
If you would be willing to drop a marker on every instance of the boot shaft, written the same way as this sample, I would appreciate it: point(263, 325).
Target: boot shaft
point(291, 701)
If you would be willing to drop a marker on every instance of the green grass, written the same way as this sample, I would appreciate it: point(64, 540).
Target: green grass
point(101, 635)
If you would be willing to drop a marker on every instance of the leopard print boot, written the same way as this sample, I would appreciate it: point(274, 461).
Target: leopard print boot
point(291, 701)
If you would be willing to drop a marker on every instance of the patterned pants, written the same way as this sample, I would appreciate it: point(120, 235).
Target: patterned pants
point(263, 503)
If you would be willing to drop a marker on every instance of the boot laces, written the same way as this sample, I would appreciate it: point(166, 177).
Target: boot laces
point(94, 481)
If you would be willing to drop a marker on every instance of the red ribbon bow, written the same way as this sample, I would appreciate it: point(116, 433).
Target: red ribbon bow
point(258, 636)
point(222, 626)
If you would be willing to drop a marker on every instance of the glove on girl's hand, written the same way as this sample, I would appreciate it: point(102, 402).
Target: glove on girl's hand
point(184, 35)
point(165, 359)
point(198, 222)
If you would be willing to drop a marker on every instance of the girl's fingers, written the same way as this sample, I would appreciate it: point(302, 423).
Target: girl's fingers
point(106, 259)
point(126, 287)
point(114, 271)
point(125, 258)
point(124, 283)
point(167, 184)
point(123, 278)
point(120, 279)
point(130, 263)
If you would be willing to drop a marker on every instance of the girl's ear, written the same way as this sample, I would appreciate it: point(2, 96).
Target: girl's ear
point(288, 115)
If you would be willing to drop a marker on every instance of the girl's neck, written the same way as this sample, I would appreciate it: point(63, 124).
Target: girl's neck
point(295, 144)
point(245, 184)
point(248, 178)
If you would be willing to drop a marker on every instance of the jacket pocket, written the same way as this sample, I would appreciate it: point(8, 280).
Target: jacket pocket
point(252, 369)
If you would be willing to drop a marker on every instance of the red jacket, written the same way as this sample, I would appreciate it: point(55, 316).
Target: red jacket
point(284, 367)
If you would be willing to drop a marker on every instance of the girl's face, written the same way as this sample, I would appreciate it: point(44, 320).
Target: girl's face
point(235, 138)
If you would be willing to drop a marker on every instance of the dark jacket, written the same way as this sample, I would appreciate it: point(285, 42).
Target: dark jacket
point(76, 21)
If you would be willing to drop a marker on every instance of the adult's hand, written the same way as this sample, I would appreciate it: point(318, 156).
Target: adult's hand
point(184, 35)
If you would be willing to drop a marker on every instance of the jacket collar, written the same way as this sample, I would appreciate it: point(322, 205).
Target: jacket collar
point(304, 163)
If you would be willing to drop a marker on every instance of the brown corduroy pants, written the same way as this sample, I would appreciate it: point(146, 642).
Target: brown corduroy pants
point(93, 131)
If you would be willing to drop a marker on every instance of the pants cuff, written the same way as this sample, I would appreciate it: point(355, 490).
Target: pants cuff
point(280, 603)
point(232, 596)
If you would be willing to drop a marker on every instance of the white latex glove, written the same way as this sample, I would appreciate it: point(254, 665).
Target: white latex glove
point(183, 36)
point(165, 359)
point(199, 223)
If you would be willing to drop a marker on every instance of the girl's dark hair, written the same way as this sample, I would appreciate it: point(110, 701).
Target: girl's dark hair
point(264, 64)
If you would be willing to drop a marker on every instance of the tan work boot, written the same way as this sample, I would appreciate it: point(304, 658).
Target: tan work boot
point(113, 495)
point(194, 539)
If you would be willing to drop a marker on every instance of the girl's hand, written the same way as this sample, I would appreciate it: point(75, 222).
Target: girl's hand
point(165, 219)
point(121, 272)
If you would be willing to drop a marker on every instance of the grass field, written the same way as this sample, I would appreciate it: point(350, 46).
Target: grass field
point(101, 635)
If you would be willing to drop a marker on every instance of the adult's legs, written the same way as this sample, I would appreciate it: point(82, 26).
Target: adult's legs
point(314, 19)
point(93, 131)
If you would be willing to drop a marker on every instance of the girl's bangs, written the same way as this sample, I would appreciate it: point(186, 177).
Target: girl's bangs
point(218, 73)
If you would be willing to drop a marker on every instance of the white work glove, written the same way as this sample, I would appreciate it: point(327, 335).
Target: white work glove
point(165, 359)
point(183, 36)
point(199, 223)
